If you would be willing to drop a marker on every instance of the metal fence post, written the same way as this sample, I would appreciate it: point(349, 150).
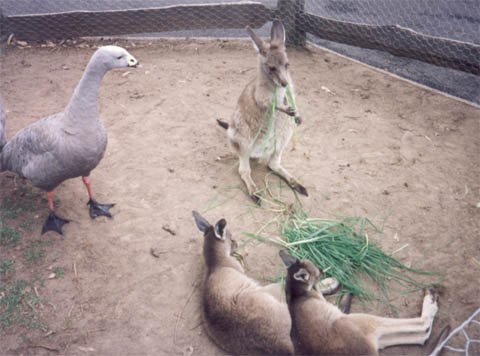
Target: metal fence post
point(291, 13)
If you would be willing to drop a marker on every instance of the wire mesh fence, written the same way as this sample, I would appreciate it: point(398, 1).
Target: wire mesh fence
point(441, 32)
point(464, 340)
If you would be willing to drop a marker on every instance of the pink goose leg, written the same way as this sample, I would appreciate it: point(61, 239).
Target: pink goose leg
point(53, 222)
point(96, 209)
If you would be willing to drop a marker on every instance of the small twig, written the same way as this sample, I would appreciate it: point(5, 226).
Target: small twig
point(36, 292)
point(169, 230)
point(31, 306)
point(180, 315)
point(155, 252)
point(75, 269)
point(43, 347)
point(399, 249)
point(196, 326)
point(70, 311)
point(96, 330)
point(38, 296)
point(86, 349)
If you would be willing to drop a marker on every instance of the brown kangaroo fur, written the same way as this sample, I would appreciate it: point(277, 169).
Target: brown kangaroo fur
point(247, 131)
point(241, 316)
point(328, 331)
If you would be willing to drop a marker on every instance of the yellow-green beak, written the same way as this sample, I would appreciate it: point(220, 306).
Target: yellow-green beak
point(132, 62)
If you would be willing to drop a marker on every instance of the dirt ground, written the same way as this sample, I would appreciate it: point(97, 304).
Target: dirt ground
point(370, 145)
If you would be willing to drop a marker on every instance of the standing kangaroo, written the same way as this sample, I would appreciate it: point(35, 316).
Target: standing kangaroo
point(241, 316)
point(328, 331)
point(254, 131)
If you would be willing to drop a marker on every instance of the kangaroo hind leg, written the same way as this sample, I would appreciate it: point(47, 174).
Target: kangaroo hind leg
point(409, 331)
point(245, 173)
point(275, 165)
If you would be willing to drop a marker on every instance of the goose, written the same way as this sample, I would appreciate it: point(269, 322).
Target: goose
point(68, 144)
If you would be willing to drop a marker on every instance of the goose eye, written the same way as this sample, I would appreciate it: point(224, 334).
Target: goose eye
point(119, 57)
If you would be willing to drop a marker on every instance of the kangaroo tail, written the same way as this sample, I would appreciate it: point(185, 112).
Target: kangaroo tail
point(348, 304)
point(438, 340)
point(222, 124)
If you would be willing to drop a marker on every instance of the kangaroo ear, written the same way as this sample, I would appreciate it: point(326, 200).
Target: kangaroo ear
point(202, 224)
point(278, 33)
point(287, 259)
point(302, 275)
point(220, 229)
point(258, 43)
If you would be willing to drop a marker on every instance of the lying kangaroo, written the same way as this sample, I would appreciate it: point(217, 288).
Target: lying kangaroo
point(255, 132)
point(241, 316)
point(328, 331)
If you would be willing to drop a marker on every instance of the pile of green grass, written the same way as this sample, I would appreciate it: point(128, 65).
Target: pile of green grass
point(340, 248)
point(343, 250)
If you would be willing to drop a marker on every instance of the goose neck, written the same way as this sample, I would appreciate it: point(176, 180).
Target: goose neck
point(84, 102)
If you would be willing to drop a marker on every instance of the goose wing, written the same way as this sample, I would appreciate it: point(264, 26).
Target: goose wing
point(33, 153)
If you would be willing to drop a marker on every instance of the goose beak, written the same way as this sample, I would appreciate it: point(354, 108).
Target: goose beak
point(132, 62)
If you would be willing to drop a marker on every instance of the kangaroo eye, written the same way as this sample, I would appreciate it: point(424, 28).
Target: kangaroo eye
point(272, 69)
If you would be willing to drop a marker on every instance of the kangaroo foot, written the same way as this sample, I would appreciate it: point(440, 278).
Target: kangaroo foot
point(256, 199)
point(299, 188)
point(291, 182)
point(432, 293)
point(328, 286)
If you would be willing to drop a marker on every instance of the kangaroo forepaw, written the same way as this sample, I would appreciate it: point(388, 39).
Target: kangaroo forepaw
point(290, 111)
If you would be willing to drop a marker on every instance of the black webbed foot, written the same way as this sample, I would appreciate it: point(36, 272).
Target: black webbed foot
point(54, 223)
point(97, 209)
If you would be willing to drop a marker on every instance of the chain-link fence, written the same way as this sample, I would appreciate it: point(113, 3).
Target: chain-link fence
point(440, 32)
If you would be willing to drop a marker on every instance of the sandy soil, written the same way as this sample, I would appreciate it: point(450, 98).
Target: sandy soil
point(370, 145)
